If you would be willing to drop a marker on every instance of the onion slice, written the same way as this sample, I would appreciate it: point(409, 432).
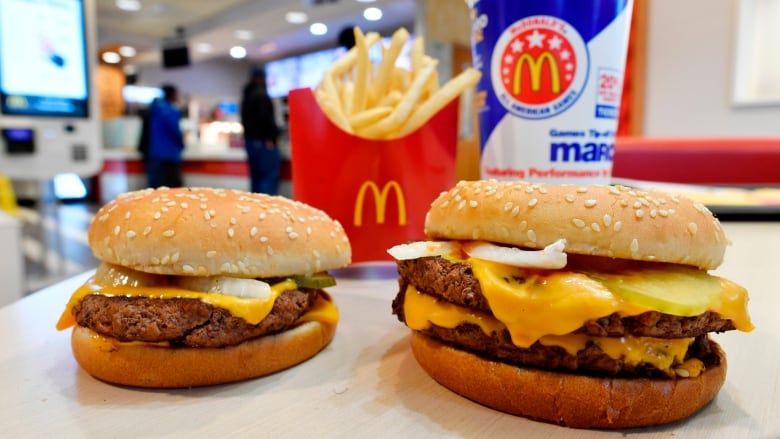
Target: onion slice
point(421, 249)
point(229, 286)
point(551, 257)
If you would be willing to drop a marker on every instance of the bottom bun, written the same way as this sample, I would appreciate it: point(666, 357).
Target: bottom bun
point(149, 365)
point(571, 400)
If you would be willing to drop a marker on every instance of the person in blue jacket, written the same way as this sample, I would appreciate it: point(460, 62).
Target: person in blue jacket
point(166, 141)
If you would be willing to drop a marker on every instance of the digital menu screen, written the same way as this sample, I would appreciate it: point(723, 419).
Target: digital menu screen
point(43, 64)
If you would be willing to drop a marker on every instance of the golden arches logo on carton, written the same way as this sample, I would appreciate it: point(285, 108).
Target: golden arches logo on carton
point(535, 72)
point(380, 201)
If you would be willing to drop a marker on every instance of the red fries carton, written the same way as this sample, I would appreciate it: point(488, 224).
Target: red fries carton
point(379, 190)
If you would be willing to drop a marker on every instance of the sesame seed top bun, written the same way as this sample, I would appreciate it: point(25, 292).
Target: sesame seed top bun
point(611, 221)
point(208, 232)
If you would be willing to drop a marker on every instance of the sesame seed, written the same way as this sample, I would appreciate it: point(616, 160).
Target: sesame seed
point(166, 259)
point(270, 250)
point(130, 234)
point(532, 202)
point(639, 213)
point(246, 209)
point(211, 253)
point(157, 215)
point(618, 226)
point(582, 189)
point(233, 221)
point(225, 267)
point(663, 212)
point(590, 203)
point(175, 257)
point(155, 260)
point(127, 214)
point(184, 205)
point(623, 203)
point(693, 228)
point(461, 204)
point(103, 217)
point(206, 216)
point(263, 239)
point(117, 229)
point(523, 225)
point(515, 211)
point(653, 213)
point(531, 235)
point(253, 232)
point(578, 222)
point(309, 231)
point(637, 205)
point(147, 230)
point(682, 372)
point(231, 232)
point(473, 203)
point(634, 245)
point(570, 198)
point(292, 235)
point(168, 233)
point(607, 219)
point(596, 227)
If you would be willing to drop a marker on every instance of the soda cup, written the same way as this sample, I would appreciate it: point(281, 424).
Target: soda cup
point(552, 79)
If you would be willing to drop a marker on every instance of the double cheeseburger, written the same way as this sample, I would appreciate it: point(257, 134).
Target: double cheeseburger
point(204, 286)
point(588, 307)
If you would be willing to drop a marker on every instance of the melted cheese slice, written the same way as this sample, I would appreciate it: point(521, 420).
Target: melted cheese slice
point(250, 309)
point(422, 311)
point(535, 303)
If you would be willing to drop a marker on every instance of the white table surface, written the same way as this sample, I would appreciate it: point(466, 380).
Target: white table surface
point(365, 384)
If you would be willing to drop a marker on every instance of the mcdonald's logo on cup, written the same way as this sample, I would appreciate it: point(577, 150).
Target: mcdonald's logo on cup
point(380, 202)
point(539, 67)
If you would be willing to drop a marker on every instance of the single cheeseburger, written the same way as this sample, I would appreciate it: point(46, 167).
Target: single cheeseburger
point(588, 307)
point(204, 286)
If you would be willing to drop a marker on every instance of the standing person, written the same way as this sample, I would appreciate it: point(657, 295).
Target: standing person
point(260, 135)
point(166, 141)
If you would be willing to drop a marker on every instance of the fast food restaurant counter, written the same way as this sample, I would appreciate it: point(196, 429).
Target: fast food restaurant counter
point(366, 382)
point(203, 165)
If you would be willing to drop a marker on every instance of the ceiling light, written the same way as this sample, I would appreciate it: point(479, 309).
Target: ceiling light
point(111, 57)
point(318, 29)
point(237, 52)
point(129, 5)
point(127, 51)
point(372, 14)
point(243, 34)
point(296, 17)
point(203, 47)
point(365, 1)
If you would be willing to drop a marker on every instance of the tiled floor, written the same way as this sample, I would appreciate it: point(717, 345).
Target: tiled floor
point(54, 242)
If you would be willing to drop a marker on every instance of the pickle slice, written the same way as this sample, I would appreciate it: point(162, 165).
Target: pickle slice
point(679, 291)
point(315, 281)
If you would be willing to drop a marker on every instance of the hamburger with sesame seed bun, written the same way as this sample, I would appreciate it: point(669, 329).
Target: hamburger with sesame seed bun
point(588, 307)
point(204, 286)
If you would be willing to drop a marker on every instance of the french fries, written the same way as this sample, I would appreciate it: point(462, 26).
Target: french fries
point(386, 101)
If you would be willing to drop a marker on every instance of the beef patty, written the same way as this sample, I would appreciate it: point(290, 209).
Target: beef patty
point(185, 322)
point(455, 283)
